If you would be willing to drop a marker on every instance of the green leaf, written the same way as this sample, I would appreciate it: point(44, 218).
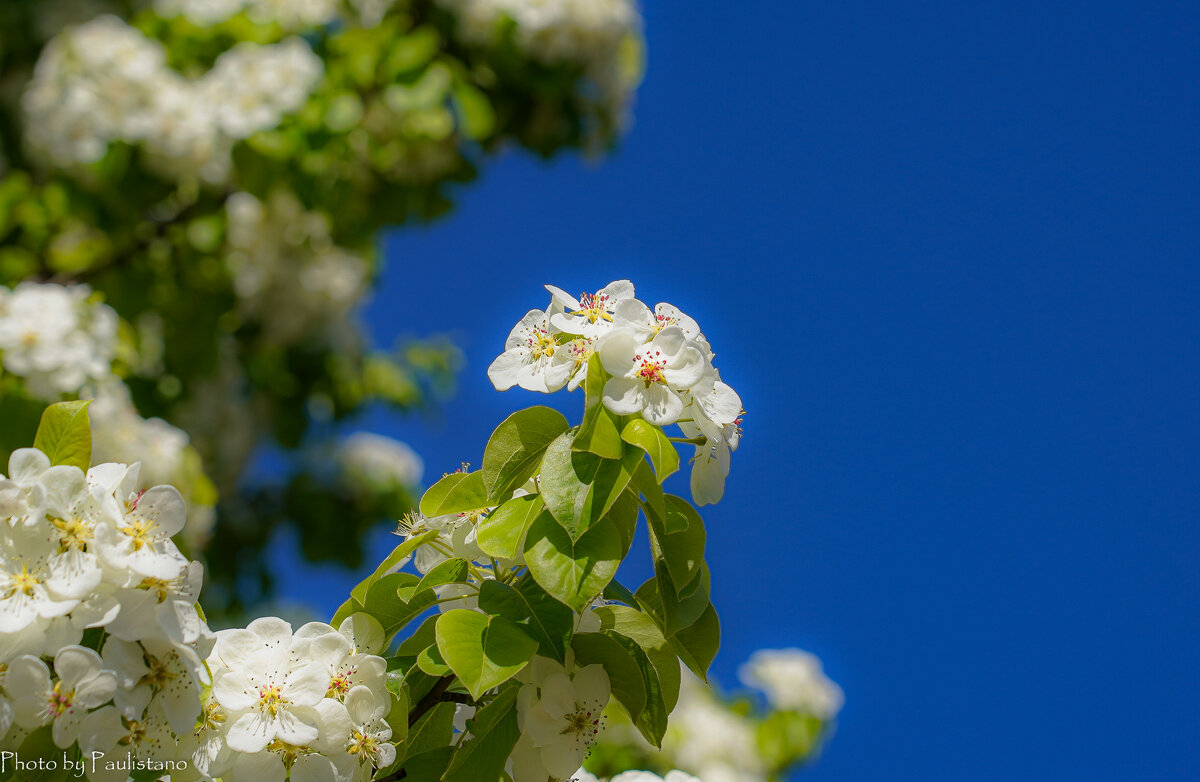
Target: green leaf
point(39, 745)
point(484, 651)
point(500, 533)
point(65, 434)
point(682, 551)
point(675, 609)
point(655, 443)
point(638, 627)
point(623, 514)
point(598, 434)
point(393, 612)
point(624, 673)
point(455, 493)
point(430, 661)
point(406, 548)
point(787, 737)
point(618, 592)
point(429, 766)
point(424, 636)
point(579, 488)
point(697, 645)
point(475, 112)
point(573, 572)
point(433, 730)
point(494, 733)
point(647, 484)
point(348, 608)
point(515, 449)
point(452, 571)
point(547, 621)
point(397, 718)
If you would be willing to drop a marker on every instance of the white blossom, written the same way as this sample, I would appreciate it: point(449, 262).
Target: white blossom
point(650, 378)
point(370, 732)
point(710, 740)
point(647, 776)
point(560, 716)
point(794, 680)
point(715, 417)
point(252, 85)
point(266, 697)
point(287, 272)
point(381, 460)
point(54, 338)
point(532, 357)
point(596, 34)
point(288, 14)
point(105, 81)
point(591, 315)
point(81, 684)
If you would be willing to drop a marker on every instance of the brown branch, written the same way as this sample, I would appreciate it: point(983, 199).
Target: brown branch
point(431, 699)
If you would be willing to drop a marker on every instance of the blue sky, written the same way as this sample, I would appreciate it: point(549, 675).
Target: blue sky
point(947, 253)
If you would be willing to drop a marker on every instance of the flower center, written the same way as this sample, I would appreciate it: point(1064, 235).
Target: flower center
point(211, 719)
point(580, 349)
point(132, 504)
point(650, 368)
point(339, 685)
point(59, 702)
point(73, 534)
point(541, 344)
point(583, 725)
point(159, 675)
point(23, 582)
point(594, 307)
point(364, 744)
point(270, 699)
point(160, 587)
point(661, 321)
point(140, 532)
point(474, 516)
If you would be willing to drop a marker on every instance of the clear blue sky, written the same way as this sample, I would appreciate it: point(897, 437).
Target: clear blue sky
point(947, 252)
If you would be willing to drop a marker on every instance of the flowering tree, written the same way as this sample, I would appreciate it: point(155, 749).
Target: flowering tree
point(534, 646)
point(191, 195)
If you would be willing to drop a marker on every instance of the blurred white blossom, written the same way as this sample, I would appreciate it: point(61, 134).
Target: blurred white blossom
point(598, 35)
point(793, 679)
point(380, 460)
point(287, 272)
point(55, 338)
point(288, 14)
point(105, 81)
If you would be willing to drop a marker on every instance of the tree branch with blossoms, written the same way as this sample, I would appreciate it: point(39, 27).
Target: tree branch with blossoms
point(534, 645)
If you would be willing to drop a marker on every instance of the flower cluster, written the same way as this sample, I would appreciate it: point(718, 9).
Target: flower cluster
point(793, 680)
point(638, 776)
point(61, 342)
point(659, 366)
point(120, 434)
point(720, 741)
point(55, 338)
point(311, 704)
point(288, 14)
point(287, 272)
point(595, 34)
point(710, 740)
point(105, 81)
point(91, 551)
